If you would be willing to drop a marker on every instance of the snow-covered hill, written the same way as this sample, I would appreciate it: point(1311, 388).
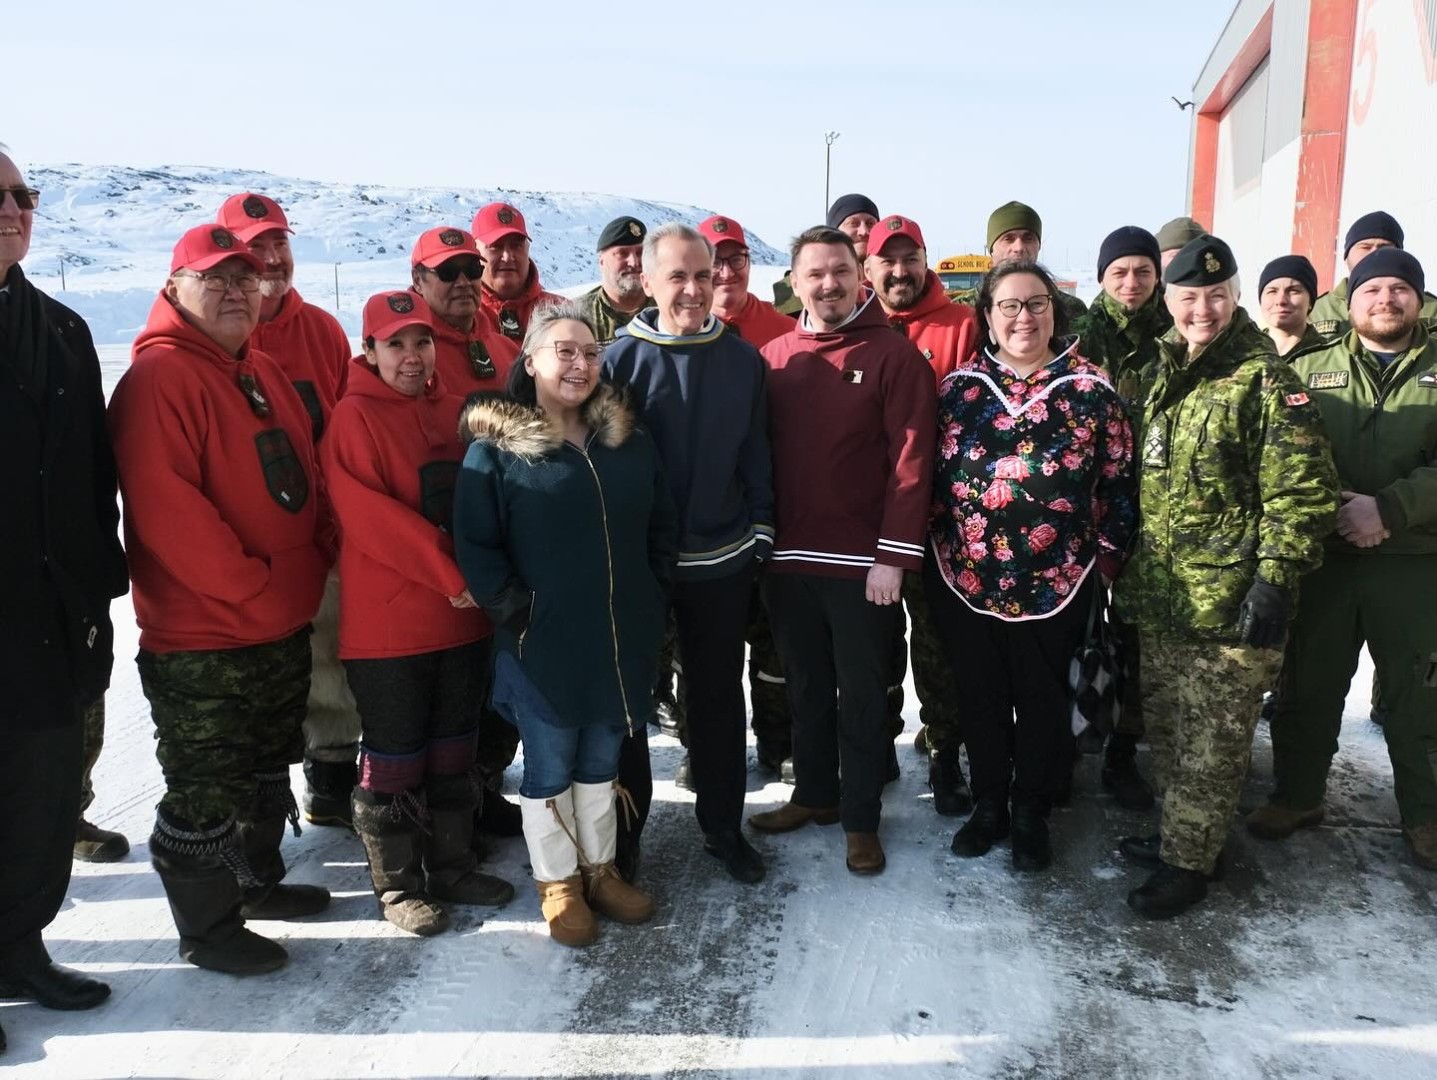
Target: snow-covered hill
point(114, 228)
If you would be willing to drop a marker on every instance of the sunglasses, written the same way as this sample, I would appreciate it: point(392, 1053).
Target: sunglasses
point(25, 198)
point(449, 271)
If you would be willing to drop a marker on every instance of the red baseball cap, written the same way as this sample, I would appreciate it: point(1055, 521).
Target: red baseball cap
point(439, 245)
point(205, 246)
point(891, 226)
point(387, 313)
point(496, 221)
point(247, 215)
point(719, 229)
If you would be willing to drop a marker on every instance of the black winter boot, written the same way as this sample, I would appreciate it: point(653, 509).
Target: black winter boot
point(988, 824)
point(1032, 849)
point(261, 829)
point(391, 827)
point(327, 789)
point(202, 867)
point(951, 795)
point(1120, 773)
point(450, 865)
point(1170, 891)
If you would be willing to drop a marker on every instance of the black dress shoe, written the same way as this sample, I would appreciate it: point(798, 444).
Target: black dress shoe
point(740, 859)
point(951, 795)
point(1032, 849)
point(1145, 851)
point(54, 987)
point(1170, 891)
point(985, 827)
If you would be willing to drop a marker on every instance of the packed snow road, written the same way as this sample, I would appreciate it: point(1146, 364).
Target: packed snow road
point(1313, 958)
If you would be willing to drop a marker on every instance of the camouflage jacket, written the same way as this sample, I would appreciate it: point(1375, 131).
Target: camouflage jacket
point(1236, 481)
point(1123, 344)
point(1330, 318)
point(606, 318)
point(784, 300)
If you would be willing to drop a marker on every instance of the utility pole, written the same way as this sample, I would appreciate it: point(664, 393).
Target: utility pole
point(62, 271)
point(829, 138)
point(336, 290)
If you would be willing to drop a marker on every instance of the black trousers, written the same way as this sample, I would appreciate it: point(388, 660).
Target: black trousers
point(1012, 668)
point(711, 618)
point(40, 769)
point(837, 651)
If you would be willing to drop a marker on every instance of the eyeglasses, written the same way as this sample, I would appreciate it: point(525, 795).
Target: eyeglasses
point(733, 262)
point(26, 198)
point(1036, 305)
point(569, 351)
point(246, 283)
point(448, 272)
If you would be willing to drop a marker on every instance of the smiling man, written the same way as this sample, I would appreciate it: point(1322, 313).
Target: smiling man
point(63, 565)
point(619, 295)
point(701, 391)
point(1369, 233)
point(510, 289)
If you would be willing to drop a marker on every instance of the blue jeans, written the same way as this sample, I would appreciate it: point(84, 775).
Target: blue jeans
point(556, 757)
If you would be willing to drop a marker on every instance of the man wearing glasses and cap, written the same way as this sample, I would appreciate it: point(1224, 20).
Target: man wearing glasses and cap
point(511, 288)
point(311, 348)
point(229, 551)
point(63, 565)
point(620, 295)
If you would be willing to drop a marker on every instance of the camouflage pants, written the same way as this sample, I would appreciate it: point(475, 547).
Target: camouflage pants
point(1385, 602)
point(1201, 701)
point(932, 675)
point(94, 731)
point(223, 716)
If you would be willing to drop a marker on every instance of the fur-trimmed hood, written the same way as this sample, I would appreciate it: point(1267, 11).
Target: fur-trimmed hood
point(527, 432)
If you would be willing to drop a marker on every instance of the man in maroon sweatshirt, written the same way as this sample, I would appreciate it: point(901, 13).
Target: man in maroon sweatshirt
point(852, 429)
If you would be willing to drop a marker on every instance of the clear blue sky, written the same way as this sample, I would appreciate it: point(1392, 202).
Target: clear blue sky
point(947, 108)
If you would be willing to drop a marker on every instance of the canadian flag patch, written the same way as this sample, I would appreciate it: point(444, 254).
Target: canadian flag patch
point(1296, 399)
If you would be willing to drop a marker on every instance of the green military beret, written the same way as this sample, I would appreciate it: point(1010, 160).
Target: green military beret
point(1010, 216)
point(1178, 232)
point(622, 230)
point(1204, 261)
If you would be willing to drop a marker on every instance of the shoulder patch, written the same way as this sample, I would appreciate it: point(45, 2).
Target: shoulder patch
point(1427, 380)
point(1328, 380)
point(1325, 327)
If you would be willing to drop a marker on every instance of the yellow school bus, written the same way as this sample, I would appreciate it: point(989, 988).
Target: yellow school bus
point(960, 273)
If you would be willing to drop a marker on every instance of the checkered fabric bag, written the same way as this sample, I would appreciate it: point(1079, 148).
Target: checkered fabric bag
point(1095, 674)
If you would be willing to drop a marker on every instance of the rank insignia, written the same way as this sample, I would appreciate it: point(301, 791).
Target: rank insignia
point(1327, 380)
point(258, 403)
point(480, 362)
point(509, 324)
point(1427, 380)
point(1155, 447)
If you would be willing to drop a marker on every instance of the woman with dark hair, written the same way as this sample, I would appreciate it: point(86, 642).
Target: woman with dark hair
point(567, 535)
point(1034, 487)
point(413, 642)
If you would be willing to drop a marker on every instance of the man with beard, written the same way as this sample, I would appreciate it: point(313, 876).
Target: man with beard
point(1120, 333)
point(1369, 233)
point(853, 215)
point(853, 427)
point(913, 298)
point(470, 354)
point(1378, 582)
point(1285, 293)
point(619, 296)
point(1015, 231)
point(510, 289)
point(311, 349)
point(63, 564)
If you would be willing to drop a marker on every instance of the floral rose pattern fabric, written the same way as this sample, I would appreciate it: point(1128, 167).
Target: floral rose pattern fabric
point(1034, 483)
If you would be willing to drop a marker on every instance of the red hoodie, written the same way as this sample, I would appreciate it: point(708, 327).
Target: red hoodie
point(512, 316)
point(390, 462)
point(310, 346)
point(945, 333)
point(759, 322)
point(458, 357)
point(221, 506)
point(852, 425)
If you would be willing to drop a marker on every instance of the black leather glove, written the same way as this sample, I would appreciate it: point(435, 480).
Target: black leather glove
point(510, 609)
point(1262, 619)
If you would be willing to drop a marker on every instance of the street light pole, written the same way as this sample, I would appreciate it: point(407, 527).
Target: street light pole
point(829, 138)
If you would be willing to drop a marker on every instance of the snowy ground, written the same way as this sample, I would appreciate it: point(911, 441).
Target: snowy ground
point(1314, 958)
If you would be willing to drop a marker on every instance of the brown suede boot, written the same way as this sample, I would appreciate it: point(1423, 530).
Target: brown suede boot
point(865, 853)
point(1422, 843)
point(571, 922)
point(613, 897)
point(596, 824)
point(791, 816)
point(1276, 821)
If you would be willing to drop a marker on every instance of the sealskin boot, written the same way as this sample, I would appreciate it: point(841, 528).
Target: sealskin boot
point(200, 866)
point(97, 845)
point(389, 827)
point(449, 862)
point(951, 795)
point(549, 832)
point(261, 830)
point(988, 824)
point(1277, 821)
point(597, 822)
point(1120, 773)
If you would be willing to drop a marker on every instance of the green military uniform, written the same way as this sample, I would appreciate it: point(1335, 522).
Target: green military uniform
point(94, 726)
point(606, 318)
point(1125, 343)
point(1383, 426)
point(1329, 315)
point(1236, 482)
point(784, 298)
point(1311, 339)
